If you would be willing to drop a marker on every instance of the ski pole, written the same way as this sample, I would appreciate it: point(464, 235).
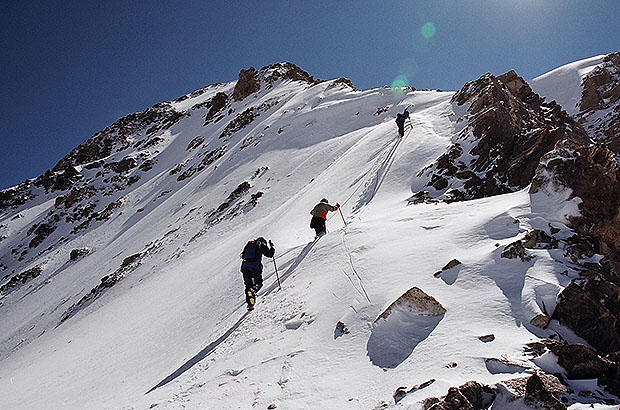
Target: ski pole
point(276, 268)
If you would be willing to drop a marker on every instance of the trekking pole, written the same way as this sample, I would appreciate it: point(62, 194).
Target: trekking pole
point(276, 268)
point(345, 222)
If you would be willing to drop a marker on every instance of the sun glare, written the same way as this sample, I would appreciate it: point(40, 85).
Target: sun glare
point(428, 30)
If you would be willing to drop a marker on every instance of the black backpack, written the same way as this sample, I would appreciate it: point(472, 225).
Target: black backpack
point(251, 252)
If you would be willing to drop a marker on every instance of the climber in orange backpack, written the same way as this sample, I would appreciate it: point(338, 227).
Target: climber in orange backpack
point(319, 215)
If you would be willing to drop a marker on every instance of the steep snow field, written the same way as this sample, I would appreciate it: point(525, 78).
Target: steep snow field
point(174, 332)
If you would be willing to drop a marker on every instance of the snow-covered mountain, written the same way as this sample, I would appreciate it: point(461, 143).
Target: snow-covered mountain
point(119, 270)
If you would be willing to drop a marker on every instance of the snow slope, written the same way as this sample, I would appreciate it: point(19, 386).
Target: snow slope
point(564, 83)
point(174, 333)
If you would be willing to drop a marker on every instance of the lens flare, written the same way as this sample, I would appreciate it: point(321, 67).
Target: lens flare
point(428, 30)
point(400, 84)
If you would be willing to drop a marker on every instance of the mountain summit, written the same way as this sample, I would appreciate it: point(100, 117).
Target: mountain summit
point(474, 261)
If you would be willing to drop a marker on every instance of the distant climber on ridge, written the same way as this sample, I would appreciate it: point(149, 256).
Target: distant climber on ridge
point(319, 215)
point(252, 267)
point(400, 122)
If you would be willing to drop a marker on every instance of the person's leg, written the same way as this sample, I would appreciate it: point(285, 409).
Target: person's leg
point(258, 281)
point(322, 229)
point(248, 281)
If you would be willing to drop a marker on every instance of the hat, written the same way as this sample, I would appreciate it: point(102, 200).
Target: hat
point(325, 200)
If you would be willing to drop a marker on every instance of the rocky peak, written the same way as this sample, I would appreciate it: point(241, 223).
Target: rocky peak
point(250, 80)
point(248, 83)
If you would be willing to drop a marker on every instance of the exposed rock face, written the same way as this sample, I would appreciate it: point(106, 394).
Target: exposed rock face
point(217, 103)
point(508, 129)
point(22, 278)
point(416, 302)
point(59, 180)
point(118, 136)
point(601, 92)
point(592, 173)
point(544, 391)
point(591, 308)
point(247, 84)
point(287, 71)
point(580, 362)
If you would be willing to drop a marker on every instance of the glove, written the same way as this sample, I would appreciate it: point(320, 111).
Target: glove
point(337, 205)
point(270, 244)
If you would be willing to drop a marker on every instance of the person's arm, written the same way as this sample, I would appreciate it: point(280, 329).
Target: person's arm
point(269, 252)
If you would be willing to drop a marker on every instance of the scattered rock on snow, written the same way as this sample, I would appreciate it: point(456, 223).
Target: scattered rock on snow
point(402, 391)
point(516, 250)
point(341, 329)
point(449, 265)
point(539, 239)
point(540, 320)
point(78, 253)
point(487, 338)
point(469, 396)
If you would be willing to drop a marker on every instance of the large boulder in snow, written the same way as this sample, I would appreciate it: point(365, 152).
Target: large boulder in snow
point(409, 320)
point(416, 302)
point(507, 129)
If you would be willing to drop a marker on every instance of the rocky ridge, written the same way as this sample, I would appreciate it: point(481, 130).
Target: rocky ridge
point(505, 130)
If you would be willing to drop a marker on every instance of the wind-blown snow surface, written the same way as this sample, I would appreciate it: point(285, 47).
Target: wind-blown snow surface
point(175, 332)
point(564, 83)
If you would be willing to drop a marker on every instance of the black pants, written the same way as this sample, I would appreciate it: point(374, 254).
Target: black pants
point(318, 224)
point(252, 280)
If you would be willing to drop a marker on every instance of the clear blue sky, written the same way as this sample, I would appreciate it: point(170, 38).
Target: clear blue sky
point(70, 68)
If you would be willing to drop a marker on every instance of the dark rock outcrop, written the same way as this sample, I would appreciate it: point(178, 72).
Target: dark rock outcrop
point(543, 391)
point(287, 71)
point(247, 84)
point(516, 250)
point(118, 136)
point(21, 278)
point(509, 128)
point(581, 362)
point(469, 396)
point(217, 103)
point(601, 91)
point(591, 308)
